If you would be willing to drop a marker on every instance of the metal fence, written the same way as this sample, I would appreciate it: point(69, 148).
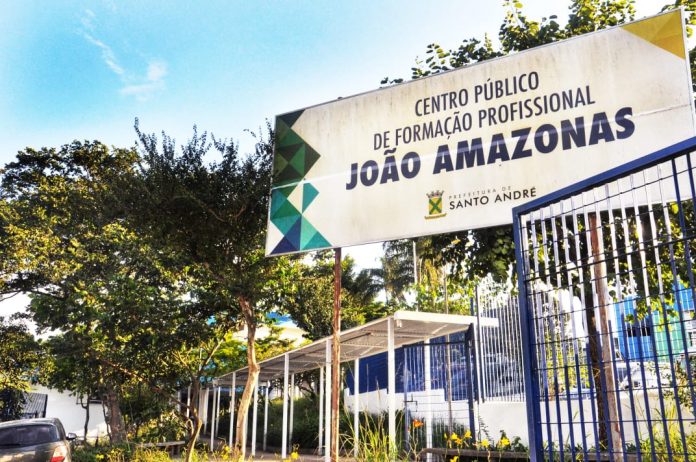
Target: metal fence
point(439, 389)
point(499, 349)
point(606, 278)
point(439, 382)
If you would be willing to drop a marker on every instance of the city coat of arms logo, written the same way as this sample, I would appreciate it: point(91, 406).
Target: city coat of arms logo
point(435, 205)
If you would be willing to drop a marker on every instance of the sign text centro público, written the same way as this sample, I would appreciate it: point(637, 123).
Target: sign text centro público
point(459, 150)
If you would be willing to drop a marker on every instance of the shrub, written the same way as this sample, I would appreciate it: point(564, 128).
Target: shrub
point(119, 453)
point(150, 455)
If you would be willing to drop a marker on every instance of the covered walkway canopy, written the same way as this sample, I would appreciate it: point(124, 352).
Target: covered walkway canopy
point(385, 334)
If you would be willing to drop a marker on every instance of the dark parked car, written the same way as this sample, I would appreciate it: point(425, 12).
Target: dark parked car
point(34, 440)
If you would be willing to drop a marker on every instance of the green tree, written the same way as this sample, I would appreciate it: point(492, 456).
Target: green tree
point(309, 301)
point(396, 273)
point(59, 235)
point(435, 265)
point(122, 297)
point(214, 216)
point(20, 357)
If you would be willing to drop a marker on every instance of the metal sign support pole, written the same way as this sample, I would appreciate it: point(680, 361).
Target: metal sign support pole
point(327, 404)
point(356, 407)
point(336, 355)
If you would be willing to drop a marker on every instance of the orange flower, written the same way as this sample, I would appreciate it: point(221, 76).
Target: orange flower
point(417, 423)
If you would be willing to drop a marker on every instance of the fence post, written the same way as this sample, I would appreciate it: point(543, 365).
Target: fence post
point(428, 398)
point(407, 418)
point(265, 415)
point(321, 410)
point(255, 417)
point(284, 436)
point(469, 355)
point(291, 421)
point(327, 402)
point(531, 380)
point(391, 386)
point(233, 392)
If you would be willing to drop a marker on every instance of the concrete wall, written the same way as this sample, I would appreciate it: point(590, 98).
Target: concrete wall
point(511, 417)
point(644, 404)
point(496, 416)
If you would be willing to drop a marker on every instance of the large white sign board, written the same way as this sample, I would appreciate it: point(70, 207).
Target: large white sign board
point(459, 150)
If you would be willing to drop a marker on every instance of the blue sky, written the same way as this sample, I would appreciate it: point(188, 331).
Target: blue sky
point(85, 69)
point(78, 69)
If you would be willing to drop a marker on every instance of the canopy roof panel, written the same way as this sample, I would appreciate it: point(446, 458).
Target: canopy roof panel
point(362, 341)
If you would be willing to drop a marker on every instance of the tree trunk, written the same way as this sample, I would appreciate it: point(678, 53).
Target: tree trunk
point(194, 421)
point(245, 401)
point(115, 417)
point(600, 350)
point(105, 413)
point(85, 406)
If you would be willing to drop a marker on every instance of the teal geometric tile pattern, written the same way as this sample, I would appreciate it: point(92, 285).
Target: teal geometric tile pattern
point(292, 161)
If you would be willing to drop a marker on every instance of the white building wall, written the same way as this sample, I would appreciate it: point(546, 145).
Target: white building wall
point(67, 408)
point(496, 416)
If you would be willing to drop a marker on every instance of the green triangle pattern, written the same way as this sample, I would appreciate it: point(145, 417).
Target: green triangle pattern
point(283, 214)
point(281, 129)
point(290, 139)
point(279, 163)
point(293, 159)
point(317, 242)
point(309, 193)
point(279, 197)
point(285, 224)
point(291, 117)
point(298, 159)
point(307, 233)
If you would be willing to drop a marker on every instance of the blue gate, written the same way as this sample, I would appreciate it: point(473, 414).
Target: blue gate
point(606, 278)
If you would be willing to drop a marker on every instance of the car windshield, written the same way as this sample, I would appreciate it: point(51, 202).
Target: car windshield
point(28, 435)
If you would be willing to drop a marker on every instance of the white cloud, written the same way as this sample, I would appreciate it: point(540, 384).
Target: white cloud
point(142, 87)
point(107, 54)
point(156, 71)
point(88, 20)
point(142, 92)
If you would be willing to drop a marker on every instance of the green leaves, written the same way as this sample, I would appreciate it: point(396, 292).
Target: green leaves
point(309, 295)
point(20, 355)
point(113, 292)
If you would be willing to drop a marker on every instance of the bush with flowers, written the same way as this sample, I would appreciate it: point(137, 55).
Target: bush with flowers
point(466, 444)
